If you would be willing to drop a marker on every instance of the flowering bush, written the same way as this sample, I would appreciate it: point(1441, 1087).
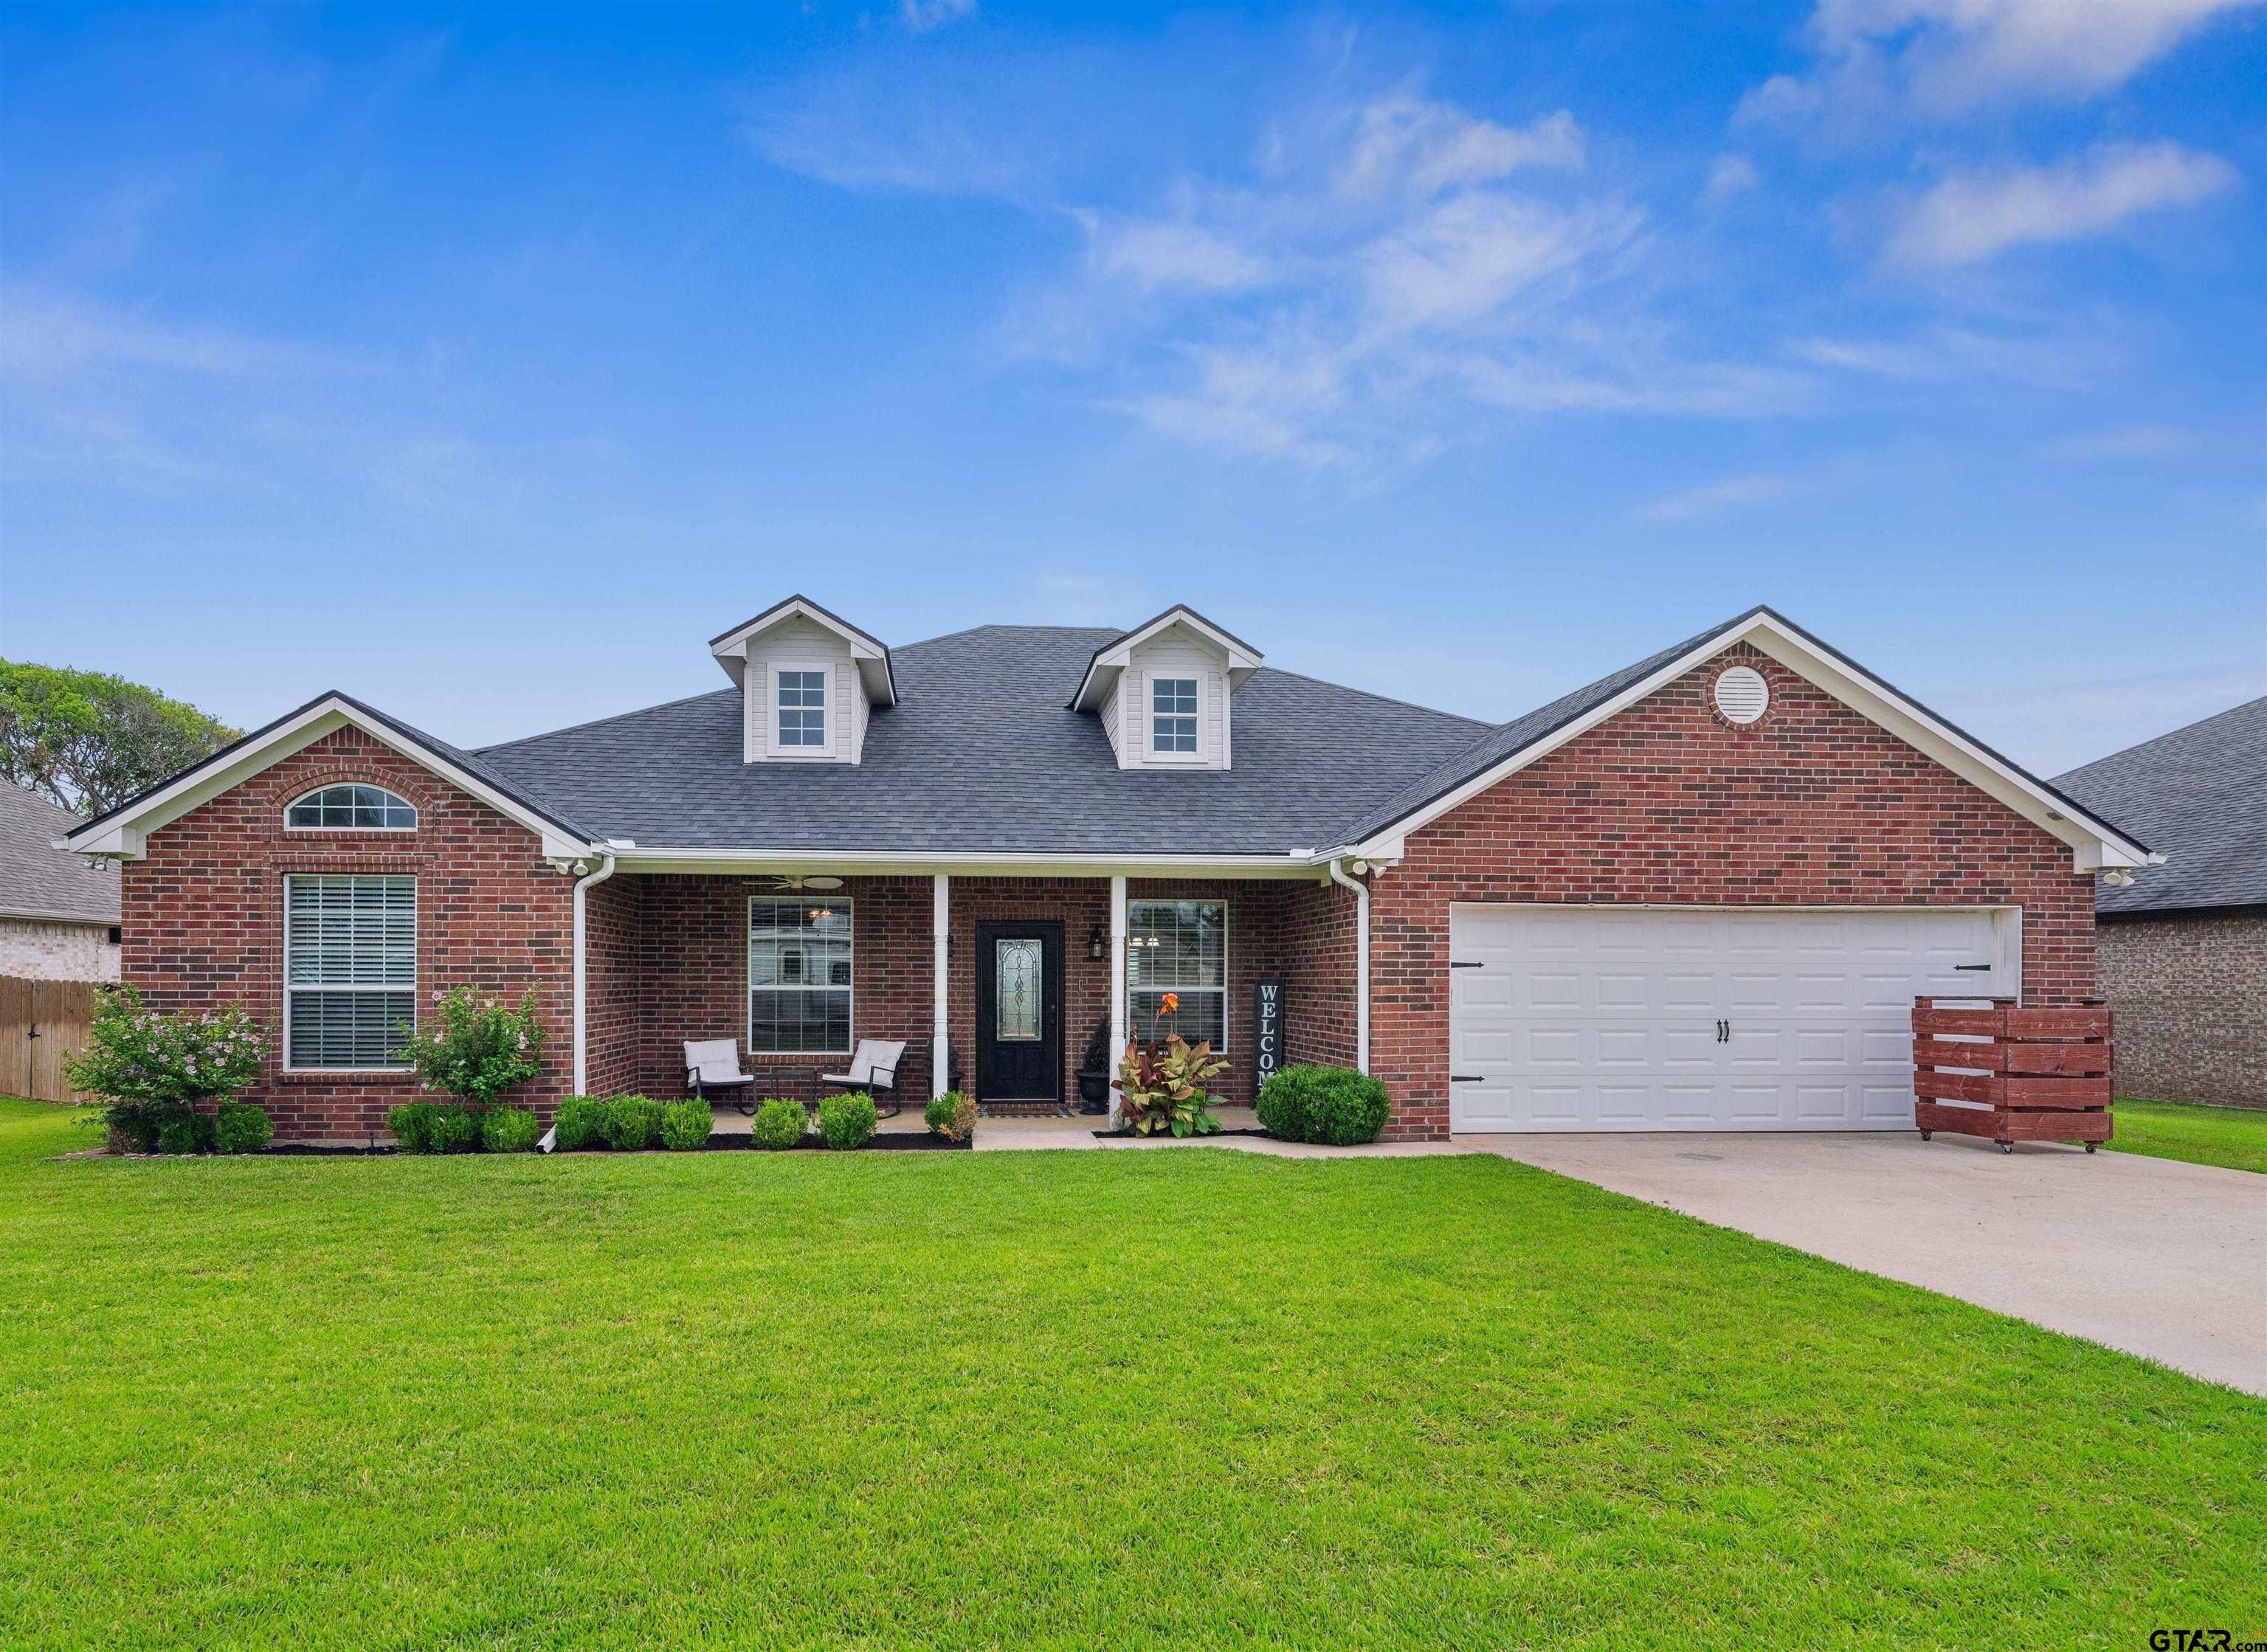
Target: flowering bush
point(153, 1071)
point(476, 1049)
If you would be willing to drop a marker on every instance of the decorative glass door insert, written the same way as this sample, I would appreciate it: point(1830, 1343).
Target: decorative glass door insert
point(1018, 969)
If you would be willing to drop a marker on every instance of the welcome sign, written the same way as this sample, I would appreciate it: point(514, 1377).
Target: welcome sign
point(1266, 1029)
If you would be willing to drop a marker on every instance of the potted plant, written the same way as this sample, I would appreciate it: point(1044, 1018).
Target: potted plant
point(1094, 1070)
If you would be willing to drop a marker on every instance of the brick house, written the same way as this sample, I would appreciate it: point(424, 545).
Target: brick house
point(2182, 950)
point(59, 914)
point(1699, 893)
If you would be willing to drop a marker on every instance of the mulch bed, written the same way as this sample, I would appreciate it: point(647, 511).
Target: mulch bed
point(895, 1142)
point(1166, 1135)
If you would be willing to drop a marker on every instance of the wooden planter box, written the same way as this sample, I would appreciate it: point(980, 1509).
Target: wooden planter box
point(2037, 1075)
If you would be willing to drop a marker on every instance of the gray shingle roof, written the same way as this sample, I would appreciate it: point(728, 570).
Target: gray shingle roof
point(980, 755)
point(38, 881)
point(2199, 797)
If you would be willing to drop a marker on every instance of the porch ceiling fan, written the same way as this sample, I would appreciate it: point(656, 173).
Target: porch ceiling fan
point(782, 880)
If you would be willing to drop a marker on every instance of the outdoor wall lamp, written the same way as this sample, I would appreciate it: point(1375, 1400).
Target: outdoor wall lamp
point(1098, 945)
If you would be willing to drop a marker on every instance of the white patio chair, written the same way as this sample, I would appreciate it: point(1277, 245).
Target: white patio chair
point(713, 1064)
point(873, 1070)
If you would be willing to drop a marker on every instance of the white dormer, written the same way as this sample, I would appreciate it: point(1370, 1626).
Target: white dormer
point(807, 679)
point(1162, 690)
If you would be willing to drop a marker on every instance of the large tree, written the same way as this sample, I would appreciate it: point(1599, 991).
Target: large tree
point(88, 741)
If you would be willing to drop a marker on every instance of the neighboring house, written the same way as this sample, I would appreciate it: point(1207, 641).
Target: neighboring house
point(58, 912)
point(2183, 948)
point(1700, 893)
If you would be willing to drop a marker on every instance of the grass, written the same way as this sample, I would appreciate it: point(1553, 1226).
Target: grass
point(1192, 1397)
point(2233, 1137)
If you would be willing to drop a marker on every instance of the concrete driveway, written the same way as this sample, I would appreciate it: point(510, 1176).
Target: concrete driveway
point(2162, 1260)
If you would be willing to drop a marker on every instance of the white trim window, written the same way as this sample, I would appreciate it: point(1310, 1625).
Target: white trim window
point(1173, 717)
point(799, 975)
point(349, 971)
point(351, 808)
point(802, 716)
point(1178, 947)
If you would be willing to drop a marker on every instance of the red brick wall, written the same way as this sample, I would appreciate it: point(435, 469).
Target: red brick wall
point(612, 950)
point(1317, 945)
point(1813, 805)
point(204, 917)
point(692, 970)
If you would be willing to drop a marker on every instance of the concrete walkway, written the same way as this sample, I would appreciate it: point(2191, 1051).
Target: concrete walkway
point(2163, 1259)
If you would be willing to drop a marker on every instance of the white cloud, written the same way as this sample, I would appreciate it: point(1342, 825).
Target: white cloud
point(1940, 60)
point(1732, 174)
point(49, 337)
point(1473, 252)
point(1407, 146)
point(921, 16)
point(1164, 252)
point(1717, 495)
point(1973, 216)
point(2064, 356)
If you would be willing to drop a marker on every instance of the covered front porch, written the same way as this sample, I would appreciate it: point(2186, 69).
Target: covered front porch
point(998, 982)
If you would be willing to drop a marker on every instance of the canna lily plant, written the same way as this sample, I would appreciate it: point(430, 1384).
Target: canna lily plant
point(1162, 1083)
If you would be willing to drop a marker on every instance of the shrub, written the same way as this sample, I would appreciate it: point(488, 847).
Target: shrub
point(475, 1050)
point(686, 1125)
point(185, 1133)
point(152, 1071)
point(953, 1116)
point(582, 1120)
point(509, 1130)
point(240, 1127)
point(778, 1124)
point(454, 1130)
point(1334, 1106)
point(412, 1124)
point(846, 1121)
point(632, 1123)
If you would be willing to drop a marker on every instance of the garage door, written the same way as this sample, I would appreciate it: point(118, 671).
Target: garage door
point(1597, 1018)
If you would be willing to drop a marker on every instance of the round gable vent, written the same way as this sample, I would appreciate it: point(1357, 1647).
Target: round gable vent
point(1741, 693)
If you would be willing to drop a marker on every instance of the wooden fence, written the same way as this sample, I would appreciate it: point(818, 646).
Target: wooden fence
point(38, 1021)
point(2023, 1075)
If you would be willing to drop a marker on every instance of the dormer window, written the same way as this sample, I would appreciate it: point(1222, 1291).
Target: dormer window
point(1173, 716)
point(809, 682)
point(803, 708)
point(1162, 691)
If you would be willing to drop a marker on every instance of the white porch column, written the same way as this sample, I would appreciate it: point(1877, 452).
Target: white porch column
point(939, 1044)
point(1116, 972)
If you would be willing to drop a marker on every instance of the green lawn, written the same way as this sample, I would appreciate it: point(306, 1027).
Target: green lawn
point(2235, 1137)
point(1190, 1397)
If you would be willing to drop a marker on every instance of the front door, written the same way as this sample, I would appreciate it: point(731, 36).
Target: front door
point(1019, 971)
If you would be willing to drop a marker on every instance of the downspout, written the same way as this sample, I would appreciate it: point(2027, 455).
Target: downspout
point(581, 1062)
point(1362, 963)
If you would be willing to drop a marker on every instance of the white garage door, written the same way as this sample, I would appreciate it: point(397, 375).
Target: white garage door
point(1604, 1018)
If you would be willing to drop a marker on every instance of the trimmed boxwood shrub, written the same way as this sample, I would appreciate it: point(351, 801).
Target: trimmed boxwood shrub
point(953, 1116)
point(846, 1121)
point(1334, 1106)
point(686, 1125)
point(632, 1123)
point(509, 1130)
point(412, 1124)
point(241, 1128)
point(778, 1124)
point(454, 1130)
point(582, 1119)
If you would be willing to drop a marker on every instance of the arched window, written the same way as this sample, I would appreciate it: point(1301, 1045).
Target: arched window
point(351, 808)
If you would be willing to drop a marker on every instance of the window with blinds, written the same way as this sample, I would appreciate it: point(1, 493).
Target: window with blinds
point(349, 969)
point(1178, 947)
point(799, 975)
point(351, 808)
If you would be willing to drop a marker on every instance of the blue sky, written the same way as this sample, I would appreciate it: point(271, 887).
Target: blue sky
point(484, 364)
